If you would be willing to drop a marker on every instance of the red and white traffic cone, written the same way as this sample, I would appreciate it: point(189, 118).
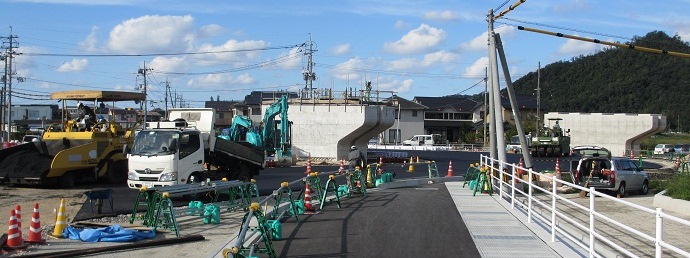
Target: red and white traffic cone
point(34, 236)
point(519, 171)
point(14, 234)
point(308, 166)
point(341, 169)
point(557, 172)
point(308, 207)
point(380, 170)
point(18, 213)
point(450, 169)
point(632, 154)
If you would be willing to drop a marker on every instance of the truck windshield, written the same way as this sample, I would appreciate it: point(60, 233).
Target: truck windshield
point(515, 140)
point(149, 143)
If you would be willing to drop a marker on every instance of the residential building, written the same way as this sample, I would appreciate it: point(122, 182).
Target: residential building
point(409, 121)
point(451, 117)
point(225, 111)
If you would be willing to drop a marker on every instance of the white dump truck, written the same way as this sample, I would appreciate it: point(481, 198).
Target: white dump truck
point(187, 150)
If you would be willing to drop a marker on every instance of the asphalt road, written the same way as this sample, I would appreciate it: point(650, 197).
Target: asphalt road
point(270, 178)
point(406, 222)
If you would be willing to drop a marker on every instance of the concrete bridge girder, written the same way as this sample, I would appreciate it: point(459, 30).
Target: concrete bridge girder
point(617, 132)
point(328, 131)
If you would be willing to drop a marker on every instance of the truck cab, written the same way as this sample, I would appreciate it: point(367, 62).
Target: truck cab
point(423, 139)
point(164, 157)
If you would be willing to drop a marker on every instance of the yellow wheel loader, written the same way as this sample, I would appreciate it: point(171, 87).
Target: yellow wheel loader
point(80, 150)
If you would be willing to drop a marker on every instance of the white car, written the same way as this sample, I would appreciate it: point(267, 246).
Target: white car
point(661, 149)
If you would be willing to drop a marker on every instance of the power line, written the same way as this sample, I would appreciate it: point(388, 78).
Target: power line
point(164, 54)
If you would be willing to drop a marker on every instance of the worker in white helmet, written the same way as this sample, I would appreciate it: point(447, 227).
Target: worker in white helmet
point(356, 158)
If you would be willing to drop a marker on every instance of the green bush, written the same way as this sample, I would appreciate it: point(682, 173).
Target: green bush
point(678, 187)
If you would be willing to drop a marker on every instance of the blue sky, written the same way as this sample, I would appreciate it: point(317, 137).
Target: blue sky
point(229, 48)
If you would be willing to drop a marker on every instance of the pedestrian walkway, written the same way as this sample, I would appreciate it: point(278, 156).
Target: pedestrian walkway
point(498, 232)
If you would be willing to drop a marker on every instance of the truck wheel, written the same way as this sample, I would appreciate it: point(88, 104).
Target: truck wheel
point(244, 174)
point(66, 180)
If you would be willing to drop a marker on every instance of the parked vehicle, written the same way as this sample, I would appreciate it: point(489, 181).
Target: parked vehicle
point(424, 139)
point(31, 138)
point(514, 146)
point(604, 172)
point(682, 148)
point(663, 148)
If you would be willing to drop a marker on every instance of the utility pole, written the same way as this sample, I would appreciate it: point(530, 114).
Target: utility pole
point(486, 93)
point(9, 44)
point(309, 75)
point(3, 102)
point(144, 71)
point(167, 89)
point(538, 96)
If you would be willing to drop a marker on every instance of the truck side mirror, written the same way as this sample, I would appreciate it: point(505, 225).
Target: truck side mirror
point(126, 149)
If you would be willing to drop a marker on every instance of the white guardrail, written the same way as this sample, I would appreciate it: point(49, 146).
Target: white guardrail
point(582, 223)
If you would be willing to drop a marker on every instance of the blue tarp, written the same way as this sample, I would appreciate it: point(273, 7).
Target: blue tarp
point(114, 233)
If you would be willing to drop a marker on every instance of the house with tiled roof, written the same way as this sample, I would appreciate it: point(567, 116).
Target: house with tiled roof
point(450, 117)
point(409, 120)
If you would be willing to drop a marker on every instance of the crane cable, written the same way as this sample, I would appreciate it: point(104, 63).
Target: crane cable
point(614, 44)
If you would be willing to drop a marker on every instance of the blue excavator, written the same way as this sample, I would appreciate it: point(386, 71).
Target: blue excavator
point(273, 136)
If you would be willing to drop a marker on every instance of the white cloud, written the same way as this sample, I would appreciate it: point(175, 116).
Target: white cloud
point(210, 30)
point(290, 60)
point(25, 64)
point(220, 80)
point(395, 85)
point(419, 40)
point(229, 53)
point(73, 66)
point(169, 64)
point(477, 69)
point(153, 33)
point(681, 27)
point(90, 43)
point(348, 69)
point(400, 25)
point(414, 64)
point(480, 43)
point(342, 49)
point(574, 47)
point(446, 15)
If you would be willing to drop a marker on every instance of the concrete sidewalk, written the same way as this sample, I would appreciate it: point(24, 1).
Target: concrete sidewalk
point(498, 231)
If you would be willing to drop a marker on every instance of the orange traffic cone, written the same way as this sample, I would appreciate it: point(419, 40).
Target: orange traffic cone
point(632, 155)
point(308, 166)
point(558, 166)
point(18, 213)
point(341, 169)
point(450, 169)
point(380, 170)
point(308, 207)
point(519, 170)
point(14, 234)
point(60, 221)
point(34, 236)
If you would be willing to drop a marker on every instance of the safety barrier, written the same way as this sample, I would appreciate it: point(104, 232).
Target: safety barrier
point(590, 232)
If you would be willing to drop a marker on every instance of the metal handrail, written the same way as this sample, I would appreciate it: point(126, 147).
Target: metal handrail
point(588, 225)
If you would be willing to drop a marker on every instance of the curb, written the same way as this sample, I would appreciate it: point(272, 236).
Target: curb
point(419, 181)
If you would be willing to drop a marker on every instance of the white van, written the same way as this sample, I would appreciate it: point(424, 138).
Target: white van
point(424, 139)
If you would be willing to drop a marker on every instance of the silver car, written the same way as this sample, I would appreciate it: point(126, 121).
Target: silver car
point(604, 172)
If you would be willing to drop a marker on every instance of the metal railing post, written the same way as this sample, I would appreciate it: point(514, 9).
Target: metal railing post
point(553, 208)
point(500, 180)
point(529, 197)
point(659, 233)
point(512, 190)
point(591, 222)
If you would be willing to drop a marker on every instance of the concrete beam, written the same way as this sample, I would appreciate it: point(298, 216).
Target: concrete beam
point(616, 132)
point(328, 130)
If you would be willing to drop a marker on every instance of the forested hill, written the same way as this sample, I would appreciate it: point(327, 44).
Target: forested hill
point(620, 80)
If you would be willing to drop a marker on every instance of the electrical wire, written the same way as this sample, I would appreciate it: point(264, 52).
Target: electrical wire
point(165, 54)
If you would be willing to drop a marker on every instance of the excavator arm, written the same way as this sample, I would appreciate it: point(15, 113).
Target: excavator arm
point(280, 144)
